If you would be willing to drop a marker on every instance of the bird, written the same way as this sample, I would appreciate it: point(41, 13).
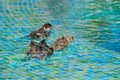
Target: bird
point(41, 33)
point(62, 42)
point(40, 50)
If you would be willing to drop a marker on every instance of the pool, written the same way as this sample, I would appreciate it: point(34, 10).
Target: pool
point(94, 55)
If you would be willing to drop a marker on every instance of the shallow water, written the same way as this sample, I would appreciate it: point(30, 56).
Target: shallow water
point(94, 55)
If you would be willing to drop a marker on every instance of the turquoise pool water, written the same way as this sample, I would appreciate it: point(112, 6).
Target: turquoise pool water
point(94, 55)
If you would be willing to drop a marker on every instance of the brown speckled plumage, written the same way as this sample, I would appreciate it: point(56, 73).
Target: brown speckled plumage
point(62, 42)
point(40, 50)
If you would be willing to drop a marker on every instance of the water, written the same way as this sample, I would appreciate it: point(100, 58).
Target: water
point(94, 55)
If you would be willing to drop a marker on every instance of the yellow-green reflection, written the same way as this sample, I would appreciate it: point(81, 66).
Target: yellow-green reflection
point(97, 31)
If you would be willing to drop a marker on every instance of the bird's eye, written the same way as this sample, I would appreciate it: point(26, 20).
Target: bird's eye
point(31, 50)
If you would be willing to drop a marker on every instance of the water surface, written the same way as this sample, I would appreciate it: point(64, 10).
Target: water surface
point(94, 55)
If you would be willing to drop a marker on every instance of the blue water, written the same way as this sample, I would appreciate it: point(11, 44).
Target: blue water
point(94, 55)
